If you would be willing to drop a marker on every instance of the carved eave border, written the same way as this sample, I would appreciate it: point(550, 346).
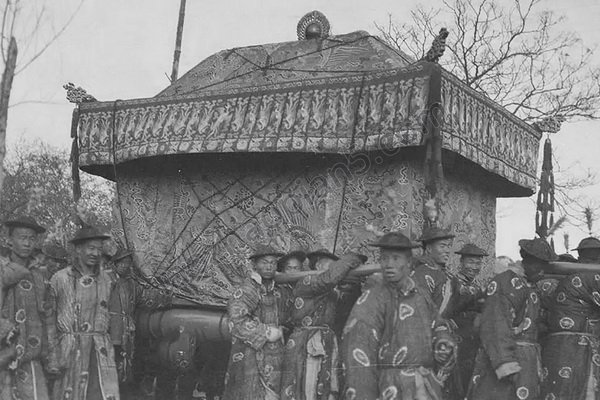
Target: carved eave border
point(346, 114)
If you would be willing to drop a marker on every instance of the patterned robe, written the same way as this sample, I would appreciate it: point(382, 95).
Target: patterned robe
point(310, 368)
point(26, 305)
point(465, 310)
point(428, 274)
point(84, 351)
point(570, 355)
point(254, 371)
point(388, 343)
point(509, 339)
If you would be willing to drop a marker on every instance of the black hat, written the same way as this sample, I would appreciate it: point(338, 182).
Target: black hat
point(470, 249)
point(121, 253)
point(55, 251)
point(265, 250)
point(434, 233)
point(566, 257)
point(538, 248)
point(25, 221)
point(88, 233)
point(322, 253)
point(588, 243)
point(394, 240)
point(363, 259)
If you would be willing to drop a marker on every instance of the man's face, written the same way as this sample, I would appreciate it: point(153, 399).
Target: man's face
point(90, 252)
point(323, 263)
point(439, 250)
point(395, 264)
point(292, 265)
point(470, 266)
point(266, 266)
point(22, 241)
point(123, 266)
point(590, 255)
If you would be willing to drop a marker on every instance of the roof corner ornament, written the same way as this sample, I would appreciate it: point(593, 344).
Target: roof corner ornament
point(78, 94)
point(549, 124)
point(313, 25)
point(436, 51)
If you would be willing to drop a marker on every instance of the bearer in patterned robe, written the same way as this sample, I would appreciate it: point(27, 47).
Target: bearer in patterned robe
point(25, 305)
point(430, 269)
point(311, 361)
point(570, 351)
point(394, 345)
point(84, 352)
point(508, 362)
point(466, 318)
point(257, 311)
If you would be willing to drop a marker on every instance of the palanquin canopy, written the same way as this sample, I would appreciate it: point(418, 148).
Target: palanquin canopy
point(345, 94)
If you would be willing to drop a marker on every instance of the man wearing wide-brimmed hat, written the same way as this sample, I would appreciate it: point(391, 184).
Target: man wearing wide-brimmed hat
point(506, 366)
point(430, 268)
point(569, 352)
point(464, 310)
point(257, 312)
point(589, 251)
point(24, 279)
point(311, 362)
point(394, 344)
point(84, 352)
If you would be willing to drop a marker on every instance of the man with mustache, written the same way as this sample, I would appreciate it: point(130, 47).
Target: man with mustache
point(84, 353)
point(257, 311)
point(394, 345)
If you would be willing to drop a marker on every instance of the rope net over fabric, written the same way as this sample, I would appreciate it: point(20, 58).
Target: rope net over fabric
point(194, 224)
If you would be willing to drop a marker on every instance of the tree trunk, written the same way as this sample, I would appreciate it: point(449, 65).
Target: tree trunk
point(5, 88)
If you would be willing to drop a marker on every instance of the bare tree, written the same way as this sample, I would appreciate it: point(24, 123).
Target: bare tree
point(517, 55)
point(25, 25)
point(38, 183)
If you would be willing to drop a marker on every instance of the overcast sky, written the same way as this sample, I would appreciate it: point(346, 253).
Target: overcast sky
point(122, 49)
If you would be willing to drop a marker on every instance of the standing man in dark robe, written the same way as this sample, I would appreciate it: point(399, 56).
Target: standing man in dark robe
point(430, 268)
point(257, 312)
point(394, 344)
point(84, 352)
point(589, 251)
point(508, 362)
point(311, 361)
point(25, 304)
point(570, 350)
point(123, 300)
point(466, 318)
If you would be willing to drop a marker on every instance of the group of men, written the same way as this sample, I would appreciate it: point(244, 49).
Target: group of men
point(66, 326)
point(412, 331)
point(416, 331)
